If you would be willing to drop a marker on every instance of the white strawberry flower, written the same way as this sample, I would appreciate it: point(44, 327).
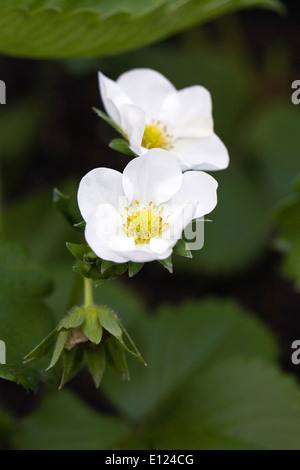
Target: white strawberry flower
point(153, 114)
point(140, 215)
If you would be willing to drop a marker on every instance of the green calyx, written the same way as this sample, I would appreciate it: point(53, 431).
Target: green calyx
point(90, 335)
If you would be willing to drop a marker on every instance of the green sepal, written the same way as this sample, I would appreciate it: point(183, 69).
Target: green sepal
point(134, 268)
point(42, 349)
point(90, 257)
point(112, 123)
point(128, 345)
point(109, 321)
point(62, 203)
point(116, 357)
point(91, 327)
point(95, 359)
point(80, 225)
point(82, 270)
point(59, 347)
point(122, 146)
point(105, 265)
point(181, 250)
point(74, 319)
point(167, 263)
point(78, 250)
point(72, 362)
point(120, 268)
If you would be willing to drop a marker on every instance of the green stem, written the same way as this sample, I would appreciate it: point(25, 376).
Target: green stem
point(1, 207)
point(88, 292)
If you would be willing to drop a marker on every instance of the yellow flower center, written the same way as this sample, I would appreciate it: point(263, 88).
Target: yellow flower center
point(143, 225)
point(156, 136)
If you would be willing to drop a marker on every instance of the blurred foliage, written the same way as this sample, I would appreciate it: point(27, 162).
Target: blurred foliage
point(5, 425)
point(24, 319)
point(59, 28)
point(288, 218)
point(65, 422)
point(209, 372)
point(211, 365)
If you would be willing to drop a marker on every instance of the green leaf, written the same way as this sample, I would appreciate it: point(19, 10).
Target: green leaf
point(181, 250)
point(178, 342)
point(116, 357)
point(24, 318)
point(62, 203)
point(91, 326)
point(89, 28)
point(288, 219)
point(109, 321)
point(121, 145)
point(134, 268)
point(59, 347)
point(96, 361)
point(243, 405)
point(64, 422)
point(167, 263)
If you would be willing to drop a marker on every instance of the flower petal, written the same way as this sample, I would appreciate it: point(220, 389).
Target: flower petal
point(113, 98)
point(99, 186)
point(198, 128)
point(103, 224)
point(126, 248)
point(201, 154)
point(133, 122)
point(154, 177)
point(146, 88)
point(197, 196)
point(189, 105)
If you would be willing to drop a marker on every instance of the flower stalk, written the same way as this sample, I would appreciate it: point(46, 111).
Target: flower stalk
point(88, 292)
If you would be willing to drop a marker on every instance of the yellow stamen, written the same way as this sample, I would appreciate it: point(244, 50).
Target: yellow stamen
point(154, 137)
point(143, 225)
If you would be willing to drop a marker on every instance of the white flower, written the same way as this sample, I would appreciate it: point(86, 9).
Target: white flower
point(140, 215)
point(153, 114)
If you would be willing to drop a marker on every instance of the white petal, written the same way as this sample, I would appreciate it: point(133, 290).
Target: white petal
point(187, 105)
point(199, 128)
point(146, 88)
point(154, 177)
point(141, 253)
point(121, 243)
point(113, 98)
point(102, 225)
point(197, 196)
point(99, 186)
point(162, 246)
point(201, 154)
point(133, 122)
